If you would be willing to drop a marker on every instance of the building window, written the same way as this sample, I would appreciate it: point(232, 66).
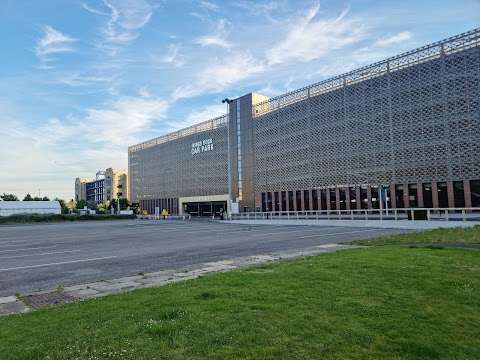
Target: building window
point(239, 151)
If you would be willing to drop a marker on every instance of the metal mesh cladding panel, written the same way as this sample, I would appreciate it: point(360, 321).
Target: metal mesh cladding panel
point(412, 118)
point(166, 168)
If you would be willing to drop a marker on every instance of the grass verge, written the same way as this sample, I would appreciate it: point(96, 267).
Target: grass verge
point(35, 218)
point(436, 236)
point(369, 303)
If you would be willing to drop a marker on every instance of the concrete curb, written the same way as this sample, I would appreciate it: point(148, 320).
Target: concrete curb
point(14, 304)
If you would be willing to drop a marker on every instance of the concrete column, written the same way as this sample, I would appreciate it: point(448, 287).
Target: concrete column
point(420, 201)
point(272, 204)
point(302, 200)
point(337, 198)
point(295, 200)
point(347, 198)
point(287, 202)
point(310, 199)
point(434, 194)
point(328, 199)
point(393, 196)
point(358, 194)
point(280, 201)
point(258, 200)
point(406, 196)
point(451, 194)
point(467, 193)
point(369, 197)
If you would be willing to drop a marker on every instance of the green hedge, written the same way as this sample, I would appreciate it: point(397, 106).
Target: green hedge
point(32, 218)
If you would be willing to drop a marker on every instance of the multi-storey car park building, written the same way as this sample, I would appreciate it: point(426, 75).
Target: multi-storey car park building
point(405, 130)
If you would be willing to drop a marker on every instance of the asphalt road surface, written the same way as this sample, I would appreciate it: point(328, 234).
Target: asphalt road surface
point(45, 256)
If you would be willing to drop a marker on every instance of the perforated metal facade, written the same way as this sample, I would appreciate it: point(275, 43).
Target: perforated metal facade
point(169, 166)
point(410, 119)
point(415, 120)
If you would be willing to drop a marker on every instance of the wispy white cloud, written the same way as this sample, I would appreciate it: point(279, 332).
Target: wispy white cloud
point(197, 116)
point(218, 36)
point(399, 38)
point(93, 10)
point(144, 93)
point(209, 5)
point(264, 10)
point(171, 57)
point(53, 42)
point(270, 90)
point(124, 20)
point(76, 79)
point(219, 74)
point(123, 121)
point(309, 38)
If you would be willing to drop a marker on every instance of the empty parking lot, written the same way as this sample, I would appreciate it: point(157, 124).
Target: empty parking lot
point(45, 256)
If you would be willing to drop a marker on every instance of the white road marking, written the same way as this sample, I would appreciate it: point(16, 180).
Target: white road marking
point(347, 232)
point(59, 263)
point(47, 253)
point(14, 241)
point(36, 248)
point(10, 245)
point(285, 232)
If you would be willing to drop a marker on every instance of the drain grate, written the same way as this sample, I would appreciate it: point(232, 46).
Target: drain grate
point(54, 298)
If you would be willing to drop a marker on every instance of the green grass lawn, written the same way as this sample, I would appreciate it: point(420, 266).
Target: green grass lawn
point(369, 303)
point(437, 236)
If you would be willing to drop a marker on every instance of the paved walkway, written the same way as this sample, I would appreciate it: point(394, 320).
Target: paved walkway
point(379, 224)
point(22, 303)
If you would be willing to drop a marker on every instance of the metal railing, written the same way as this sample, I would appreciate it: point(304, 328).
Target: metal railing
point(414, 214)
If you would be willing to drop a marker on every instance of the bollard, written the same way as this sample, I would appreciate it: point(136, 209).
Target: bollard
point(189, 217)
point(183, 219)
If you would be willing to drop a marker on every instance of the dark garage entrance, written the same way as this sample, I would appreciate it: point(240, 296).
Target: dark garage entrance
point(207, 208)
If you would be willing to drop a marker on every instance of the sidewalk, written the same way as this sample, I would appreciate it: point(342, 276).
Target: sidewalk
point(379, 224)
point(25, 302)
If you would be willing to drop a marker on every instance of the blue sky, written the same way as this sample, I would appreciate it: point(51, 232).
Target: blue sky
point(80, 81)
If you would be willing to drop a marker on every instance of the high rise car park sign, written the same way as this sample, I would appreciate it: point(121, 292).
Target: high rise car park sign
point(202, 146)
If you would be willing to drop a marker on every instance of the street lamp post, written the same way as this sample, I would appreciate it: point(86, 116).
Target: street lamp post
point(229, 202)
point(163, 180)
point(266, 182)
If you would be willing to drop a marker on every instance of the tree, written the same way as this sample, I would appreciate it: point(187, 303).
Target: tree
point(45, 198)
point(36, 198)
point(92, 205)
point(9, 197)
point(81, 204)
point(28, 197)
point(124, 204)
point(63, 205)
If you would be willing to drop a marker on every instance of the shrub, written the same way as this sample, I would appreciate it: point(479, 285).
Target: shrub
point(29, 218)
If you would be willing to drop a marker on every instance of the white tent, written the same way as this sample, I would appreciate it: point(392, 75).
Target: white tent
point(29, 207)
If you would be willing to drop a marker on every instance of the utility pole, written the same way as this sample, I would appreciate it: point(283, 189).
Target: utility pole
point(229, 202)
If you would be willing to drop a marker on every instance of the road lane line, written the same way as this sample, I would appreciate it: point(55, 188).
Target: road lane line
point(2, 246)
point(347, 232)
point(36, 248)
point(14, 241)
point(8, 238)
point(285, 232)
point(48, 253)
point(59, 263)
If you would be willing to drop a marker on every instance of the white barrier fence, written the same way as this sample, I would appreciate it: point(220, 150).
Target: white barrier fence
point(414, 214)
